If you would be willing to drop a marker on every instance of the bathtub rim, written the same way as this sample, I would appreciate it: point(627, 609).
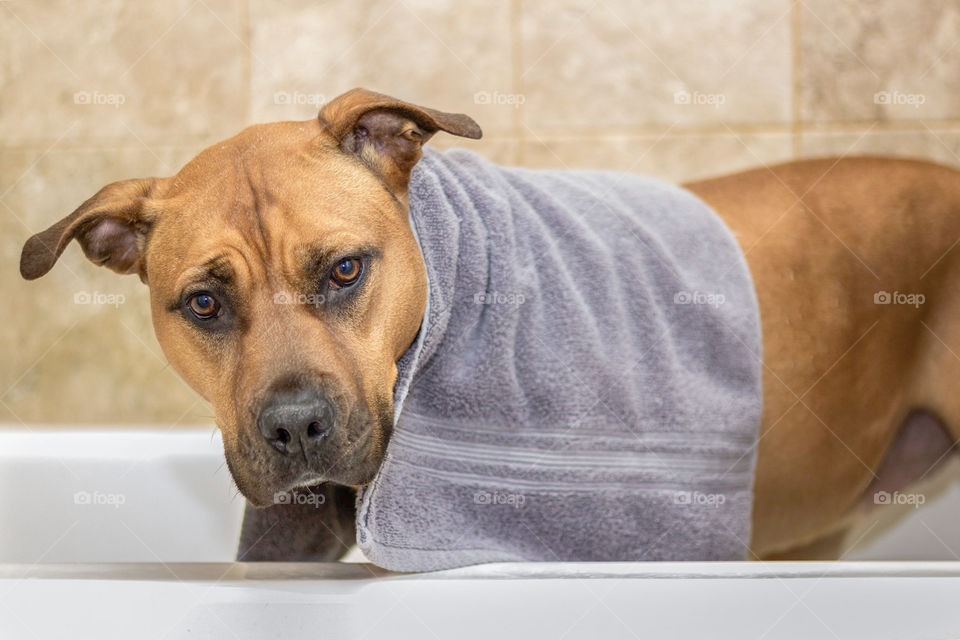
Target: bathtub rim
point(293, 571)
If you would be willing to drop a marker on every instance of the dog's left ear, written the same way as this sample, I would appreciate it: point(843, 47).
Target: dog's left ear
point(388, 134)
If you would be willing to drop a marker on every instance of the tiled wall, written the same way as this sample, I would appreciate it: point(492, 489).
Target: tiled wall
point(93, 92)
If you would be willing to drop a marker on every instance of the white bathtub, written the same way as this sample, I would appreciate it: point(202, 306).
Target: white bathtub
point(131, 534)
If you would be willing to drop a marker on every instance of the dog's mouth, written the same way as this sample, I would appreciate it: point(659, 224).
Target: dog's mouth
point(274, 486)
point(350, 456)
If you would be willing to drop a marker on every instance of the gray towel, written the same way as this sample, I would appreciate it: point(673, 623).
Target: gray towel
point(586, 382)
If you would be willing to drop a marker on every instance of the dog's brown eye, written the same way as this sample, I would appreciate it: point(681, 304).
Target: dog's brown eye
point(204, 306)
point(346, 272)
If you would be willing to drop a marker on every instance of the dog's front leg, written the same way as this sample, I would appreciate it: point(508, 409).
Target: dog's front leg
point(316, 524)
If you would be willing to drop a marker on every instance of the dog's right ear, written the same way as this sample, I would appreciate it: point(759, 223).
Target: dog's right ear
point(387, 134)
point(110, 228)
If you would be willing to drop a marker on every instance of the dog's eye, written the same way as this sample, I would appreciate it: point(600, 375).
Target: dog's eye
point(204, 306)
point(346, 272)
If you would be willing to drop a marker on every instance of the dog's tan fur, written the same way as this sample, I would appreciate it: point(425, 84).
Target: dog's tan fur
point(821, 238)
point(841, 373)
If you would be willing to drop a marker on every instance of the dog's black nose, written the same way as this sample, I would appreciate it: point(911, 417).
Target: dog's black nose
point(295, 421)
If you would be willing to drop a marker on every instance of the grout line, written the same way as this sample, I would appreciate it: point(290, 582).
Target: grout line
point(95, 145)
point(516, 36)
point(855, 126)
point(796, 43)
point(572, 133)
point(785, 128)
point(655, 129)
point(246, 30)
point(706, 128)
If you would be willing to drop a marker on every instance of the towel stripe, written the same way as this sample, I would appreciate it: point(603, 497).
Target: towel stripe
point(702, 436)
point(733, 486)
point(511, 453)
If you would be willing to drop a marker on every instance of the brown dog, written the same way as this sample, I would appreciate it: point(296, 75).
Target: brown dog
point(319, 208)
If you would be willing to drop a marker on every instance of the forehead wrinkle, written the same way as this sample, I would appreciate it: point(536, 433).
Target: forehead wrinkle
point(227, 263)
point(218, 268)
point(247, 213)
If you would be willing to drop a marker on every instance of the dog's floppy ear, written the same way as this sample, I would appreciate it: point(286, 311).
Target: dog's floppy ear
point(388, 134)
point(109, 227)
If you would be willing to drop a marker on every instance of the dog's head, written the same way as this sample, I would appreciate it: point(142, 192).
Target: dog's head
point(285, 281)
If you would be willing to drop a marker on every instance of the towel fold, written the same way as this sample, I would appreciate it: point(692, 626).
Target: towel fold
point(586, 381)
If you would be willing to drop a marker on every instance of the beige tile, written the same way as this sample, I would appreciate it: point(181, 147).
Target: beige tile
point(153, 70)
point(620, 64)
point(869, 59)
point(937, 145)
point(671, 157)
point(437, 53)
point(66, 360)
point(504, 151)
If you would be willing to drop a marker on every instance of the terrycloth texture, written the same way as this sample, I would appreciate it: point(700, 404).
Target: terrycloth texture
point(586, 383)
